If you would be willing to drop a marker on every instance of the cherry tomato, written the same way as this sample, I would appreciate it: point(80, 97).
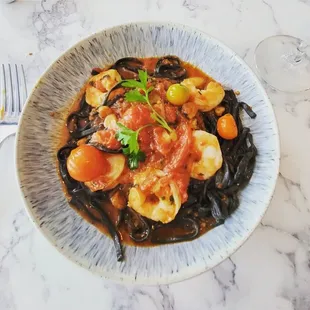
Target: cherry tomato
point(227, 127)
point(177, 94)
point(86, 163)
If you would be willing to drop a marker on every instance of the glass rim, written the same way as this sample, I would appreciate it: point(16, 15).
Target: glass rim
point(260, 72)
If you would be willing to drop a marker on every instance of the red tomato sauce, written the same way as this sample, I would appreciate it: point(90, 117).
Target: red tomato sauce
point(172, 156)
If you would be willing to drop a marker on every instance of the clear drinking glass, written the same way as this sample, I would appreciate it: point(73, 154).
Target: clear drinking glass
point(283, 62)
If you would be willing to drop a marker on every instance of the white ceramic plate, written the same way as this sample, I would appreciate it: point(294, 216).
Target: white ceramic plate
point(37, 146)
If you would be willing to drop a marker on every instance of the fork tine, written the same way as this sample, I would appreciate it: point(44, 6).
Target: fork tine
point(9, 91)
point(2, 95)
point(13, 92)
point(23, 86)
point(17, 103)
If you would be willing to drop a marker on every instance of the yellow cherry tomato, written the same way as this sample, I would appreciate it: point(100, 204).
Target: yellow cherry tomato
point(177, 94)
point(227, 127)
point(85, 163)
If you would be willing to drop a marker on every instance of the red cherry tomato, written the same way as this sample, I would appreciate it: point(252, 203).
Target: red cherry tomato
point(227, 127)
point(86, 163)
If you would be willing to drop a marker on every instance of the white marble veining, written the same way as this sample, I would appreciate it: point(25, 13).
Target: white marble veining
point(271, 271)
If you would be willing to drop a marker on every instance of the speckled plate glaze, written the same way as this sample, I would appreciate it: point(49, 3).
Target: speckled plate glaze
point(37, 145)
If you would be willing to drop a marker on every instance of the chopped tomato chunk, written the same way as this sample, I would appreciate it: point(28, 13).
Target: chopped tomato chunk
point(181, 148)
point(170, 113)
point(137, 116)
point(145, 139)
point(106, 138)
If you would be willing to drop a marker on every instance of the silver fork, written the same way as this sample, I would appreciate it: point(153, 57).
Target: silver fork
point(12, 98)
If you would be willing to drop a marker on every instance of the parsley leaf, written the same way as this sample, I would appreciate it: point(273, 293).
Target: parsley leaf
point(134, 95)
point(129, 140)
point(143, 77)
point(133, 160)
point(124, 135)
point(150, 89)
point(132, 84)
point(128, 137)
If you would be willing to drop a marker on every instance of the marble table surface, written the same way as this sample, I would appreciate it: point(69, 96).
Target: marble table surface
point(270, 271)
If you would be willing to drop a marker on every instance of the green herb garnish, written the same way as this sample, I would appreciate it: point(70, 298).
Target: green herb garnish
point(129, 139)
point(135, 95)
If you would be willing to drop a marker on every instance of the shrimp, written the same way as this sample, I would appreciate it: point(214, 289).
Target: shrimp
point(205, 99)
point(94, 97)
point(99, 85)
point(107, 79)
point(209, 155)
point(155, 195)
point(154, 206)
